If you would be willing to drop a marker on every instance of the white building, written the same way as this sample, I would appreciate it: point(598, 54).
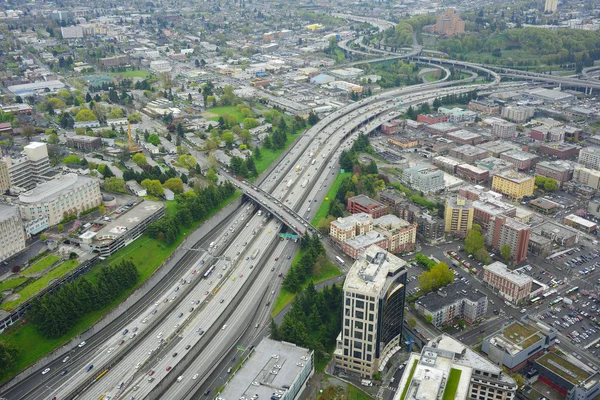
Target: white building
point(374, 293)
point(66, 195)
point(448, 369)
point(30, 168)
point(72, 32)
point(12, 234)
point(590, 157)
point(160, 65)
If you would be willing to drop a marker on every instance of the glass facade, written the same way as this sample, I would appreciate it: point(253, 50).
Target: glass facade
point(391, 312)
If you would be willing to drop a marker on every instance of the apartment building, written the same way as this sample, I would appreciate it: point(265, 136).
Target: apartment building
point(508, 231)
point(66, 195)
point(503, 129)
point(513, 184)
point(424, 178)
point(447, 369)
point(390, 199)
point(430, 228)
point(349, 227)
point(12, 233)
point(589, 157)
point(522, 160)
point(486, 209)
point(468, 153)
point(465, 137)
point(4, 177)
point(559, 170)
point(364, 204)
point(401, 235)
point(563, 151)
point(451, 303)
point(512, 286)
point(488, 107)
point(30, 168)
point(458, 216)
point(517, 114)
point(373, 295)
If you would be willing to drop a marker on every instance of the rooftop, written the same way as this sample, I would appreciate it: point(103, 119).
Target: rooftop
point(474, 169)
point(494, 164)
point(458, 202)
point(564, 368)
point(463, 135)
point(557, 165)
point(362, 241)
point(543, 203)
point(519, 155)
point(390, 221)
point(370, 272)
point(7, 212)
point(449, 294)
point(580, 221)
point(352, 220)
point(499, 146)
point(514, 176)
point(443, 127)
point(365, 201)
point(500, 269)
point(468, 150)
point(256, 376)
point(591, 150)
point(521, 334)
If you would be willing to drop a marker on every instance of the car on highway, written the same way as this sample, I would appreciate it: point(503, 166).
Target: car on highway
point(66, 359)
point(64, 372)
point(175, 354)
point(151, 372)
point(169, 368)
point(80, 345)
point(44, 372)
point(89, 368)
point(195, 376)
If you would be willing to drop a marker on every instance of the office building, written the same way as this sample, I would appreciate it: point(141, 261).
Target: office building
point(580, 223)
point(518, 342)
point(12, 233)
point(451, 303)
point(424, 178)
point(517, 114)
point(374, 293)
point(594, 207)
point(568, 376)
point(447, 369)
point(586, 176)
point(522, 160)
point(590, 157)
point(563, 151)
point(108, 237)
point(84, 142)
point(551, 6)
point(512, 286)
point(4, 177)
point(59, 198)
point(487, 107)
point(497, 147)
point(275, 369)
point(559, 170)
point(365, 204)
point(449, 24)
point(458, 216)
point(349, 227)
point(514, 185)
point(468, 153)
point(446, 164)
point(430, 228)
point(457, 114)
point(508, 231)
point(30, 168)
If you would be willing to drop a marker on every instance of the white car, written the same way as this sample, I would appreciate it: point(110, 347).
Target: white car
point(195, 377)
point(81, 344)
point(224, 326)
point(66, 359)
point(44, 372)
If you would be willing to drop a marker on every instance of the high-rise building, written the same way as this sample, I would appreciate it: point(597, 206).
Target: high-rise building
point(458, 216)
point(448, 369)
point(430, 228)
point(551, 6)
point(374, 294)
point(590, 157)
point(449, 23)
point(508, 231)
point(586, 176)
point(4, 177)
point(12, 234)
point(30, 168)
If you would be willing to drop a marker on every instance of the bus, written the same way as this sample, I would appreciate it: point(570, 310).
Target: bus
point(255, 253)
point(339, 259)
point(549, 293)
point(209, 271)
point(101, 374)
point(556, 301)
point(572, 290)
point(535, 300)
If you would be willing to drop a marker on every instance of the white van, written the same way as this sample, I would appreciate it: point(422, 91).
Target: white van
point(180, 378)
point(523, 311)
point(211, 245)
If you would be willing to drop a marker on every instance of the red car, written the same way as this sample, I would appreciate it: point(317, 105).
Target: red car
point(194, 271)
point(151, 372)
point(169, 368)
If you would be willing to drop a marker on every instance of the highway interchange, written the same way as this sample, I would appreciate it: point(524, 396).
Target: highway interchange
point(174, 339)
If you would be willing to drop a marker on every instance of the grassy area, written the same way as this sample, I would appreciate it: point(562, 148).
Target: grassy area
point(12, 283)
point(354, 393)
point(431, 77)
point(324, 207)
point(220, 111)
point(148, 254)
point(521, 330)
point(410, 375)
point(268, 156)
point(39, 284)
point(138, 73)
point(548, 359)
point(321, 364)
point(41, 265)
point(452, 384)
point(329, 271)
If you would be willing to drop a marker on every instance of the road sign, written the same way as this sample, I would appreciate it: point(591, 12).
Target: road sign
point(342, 171)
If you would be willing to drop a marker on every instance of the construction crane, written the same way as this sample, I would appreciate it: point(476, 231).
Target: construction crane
point(132, 148)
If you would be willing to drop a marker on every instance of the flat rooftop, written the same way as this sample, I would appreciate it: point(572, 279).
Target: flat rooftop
point(256, 376)
point(449, 294)
point(468, 150)
point(463, 135)
point(365, 201)
point(369, 273)
point(521, 334)
point(500, 269)
point(514, 176)
point(519, 155)
point(580, 221)
point(499, 146)
point(563, 368)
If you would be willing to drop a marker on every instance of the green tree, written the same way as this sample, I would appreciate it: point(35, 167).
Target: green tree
point(438, 276)
point(154, 139)
point(256, 153)
point(174, 184)
point(187, 161)
point(71, 159)
point(429, 318)
point(211, 175)
point(53, 138)
point(85, 115)
point(250, 123)
point(505, 252)
point(412, 323)
point(115, 185)
point(60, 227)
point(153, 187)
point(228, 139)
point(550, 185)
point(474, 241)
point(139, 159)
point(482, 255)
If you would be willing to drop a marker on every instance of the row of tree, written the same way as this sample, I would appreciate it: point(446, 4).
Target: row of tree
point(55, 314)
point(192, 206)
point(244, 167)
point(149, 172)
point(312, 259)
point(314, 321)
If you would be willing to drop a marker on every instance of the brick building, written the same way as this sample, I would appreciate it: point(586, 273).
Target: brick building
point(559, 170)
point(504, 230)
point(465, 137)
point(564, 151)
point(84, 142)
point(514, 287)
point(522, 160)
point(488, 107)
point(432, 118)
point(468, 153)
point(472, 174)
point(364, 204)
